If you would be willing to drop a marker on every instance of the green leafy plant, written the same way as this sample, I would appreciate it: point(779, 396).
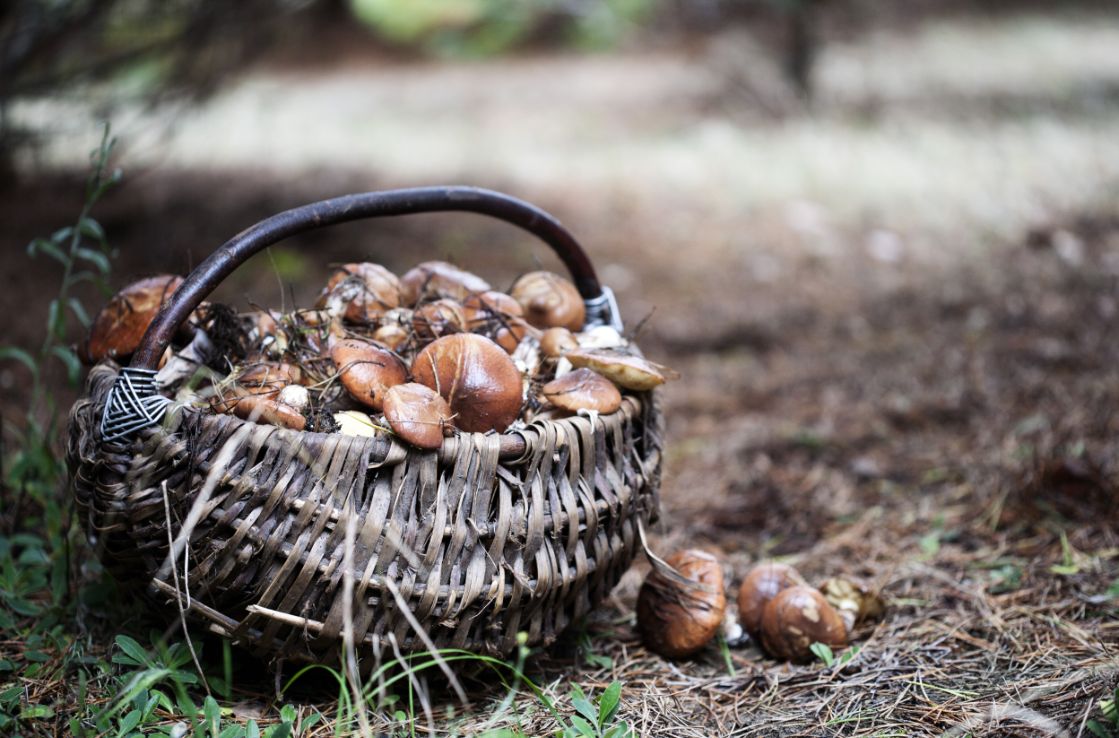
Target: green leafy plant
point(1069, 564)
point(1108, 725)
point(83, 255)
point(596, 720)
point(824, 652)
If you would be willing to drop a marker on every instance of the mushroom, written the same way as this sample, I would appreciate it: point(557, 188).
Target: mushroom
point(268, 375)
point(440, 279)
point(483, 308)
point(549, 300)
point(265, 331)
point(438, 318)
point(555, 342)
point(361, 292)
point(391, 335)
point(418, 414)
point(625, 370)
point(118, 328)
point(761, 585)
point(601, 337)
point(264, 378)
point(510, 335)
point(583, 389)
point(295, 396)
point(677, 619)
point(355, 423)
point(795, 619)
point(367, 370)
point(476, 378)
point(498, 317)
point(265, 409)
point(852, 599)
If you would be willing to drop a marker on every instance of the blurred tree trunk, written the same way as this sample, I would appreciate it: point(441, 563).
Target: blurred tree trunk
point(802, 46)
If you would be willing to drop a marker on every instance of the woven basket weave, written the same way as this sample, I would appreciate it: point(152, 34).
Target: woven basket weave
point(286, 540)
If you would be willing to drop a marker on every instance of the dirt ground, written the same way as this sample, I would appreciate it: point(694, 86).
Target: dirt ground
point(896, 317)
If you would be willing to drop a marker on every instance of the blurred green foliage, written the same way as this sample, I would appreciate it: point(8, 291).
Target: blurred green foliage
point(474, 28)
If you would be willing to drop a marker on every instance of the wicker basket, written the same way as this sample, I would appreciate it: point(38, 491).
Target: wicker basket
point(288, 541)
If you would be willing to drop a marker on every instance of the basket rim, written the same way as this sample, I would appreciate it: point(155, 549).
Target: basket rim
point(514, 445)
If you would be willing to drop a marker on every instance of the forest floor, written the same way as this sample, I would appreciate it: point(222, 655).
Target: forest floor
point(896, 316)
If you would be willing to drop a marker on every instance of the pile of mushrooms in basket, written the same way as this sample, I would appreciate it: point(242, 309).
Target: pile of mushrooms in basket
point(420, 356)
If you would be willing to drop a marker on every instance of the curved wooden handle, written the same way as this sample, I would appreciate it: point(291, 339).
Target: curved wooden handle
point(220, 264)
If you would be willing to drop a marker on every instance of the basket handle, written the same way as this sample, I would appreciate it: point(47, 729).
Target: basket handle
point(601, 307)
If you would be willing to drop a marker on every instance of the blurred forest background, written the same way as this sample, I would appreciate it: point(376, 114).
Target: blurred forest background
point(879, 239)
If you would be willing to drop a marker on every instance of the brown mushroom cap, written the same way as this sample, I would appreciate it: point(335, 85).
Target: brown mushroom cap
point(439, 279)
point(795, 619)
point(265, 409)
point(438, 318)
point(625, 370)
point(392, 335)
point(476, 377)
point(366, 290)
point(583, 389)
point(497, 316)
point(549, 301)
point(264, 378)
point(761, 585)
point(118, 328)
point(555, 342)
point(490, 306)
point(417, 413)
point(510, 335)
point(676, 620)
point(367, 370)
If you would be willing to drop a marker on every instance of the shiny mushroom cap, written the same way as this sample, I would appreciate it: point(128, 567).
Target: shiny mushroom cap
point(625, 370)
point(555, 342)
point(476, 378)
point(418, 414)
point(438, 318)
point(256, 377)
point(361, 292)
point(367, 370)
point(761, 585)
point(264, 376)
point(549, 301)
point(439, 279)
point(677, 620)
point(487, 307)
point(118, 328)
point(583, 389)
point(795, 619)
point(392, 335)
point(509, 334)
point(497, 316)
point(269, 410)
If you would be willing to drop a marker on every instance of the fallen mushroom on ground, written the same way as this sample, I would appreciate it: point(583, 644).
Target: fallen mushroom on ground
point(776, 607)
point(795, 619)
point(435, 352)
point(677, 615)
point(764, 582)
